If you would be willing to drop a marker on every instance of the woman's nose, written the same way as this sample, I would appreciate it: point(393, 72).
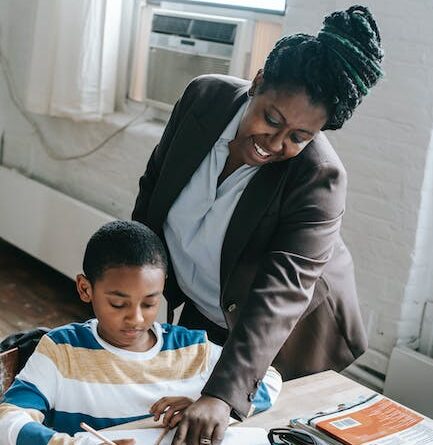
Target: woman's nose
point(276, 142)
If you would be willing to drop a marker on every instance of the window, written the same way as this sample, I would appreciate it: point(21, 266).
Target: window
point(270, 6)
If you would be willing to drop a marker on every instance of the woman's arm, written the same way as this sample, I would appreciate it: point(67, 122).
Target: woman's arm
point(283, 288)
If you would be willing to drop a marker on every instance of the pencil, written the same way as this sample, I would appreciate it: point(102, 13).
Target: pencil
point(90, 430)
point(161, 436)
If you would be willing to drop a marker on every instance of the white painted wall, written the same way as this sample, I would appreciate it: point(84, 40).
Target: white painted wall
point(383, 147)
point(108, 179)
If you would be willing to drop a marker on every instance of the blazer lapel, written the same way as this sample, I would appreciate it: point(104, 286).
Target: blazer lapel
point(251, 207)
point(194, 139)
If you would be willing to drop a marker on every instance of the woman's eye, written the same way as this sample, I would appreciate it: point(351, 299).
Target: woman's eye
point(295, 139)
point(271, 121)
point(117, 306)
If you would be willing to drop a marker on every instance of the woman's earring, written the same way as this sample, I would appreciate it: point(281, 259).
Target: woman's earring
point(250, 92)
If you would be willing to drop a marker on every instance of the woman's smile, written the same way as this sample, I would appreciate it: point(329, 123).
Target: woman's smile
point(261, 151)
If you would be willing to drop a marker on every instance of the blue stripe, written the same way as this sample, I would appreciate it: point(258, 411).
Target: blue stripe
point(26, 395)
point(78, 335)
point(35, 434)
point(69, 423)
point(261, 401)
point(176, 337)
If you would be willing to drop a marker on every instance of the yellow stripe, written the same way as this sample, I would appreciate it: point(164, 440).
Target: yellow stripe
point(6, 408)
point(101, 366)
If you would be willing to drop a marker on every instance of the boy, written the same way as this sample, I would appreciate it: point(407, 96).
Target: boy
point(122, 365)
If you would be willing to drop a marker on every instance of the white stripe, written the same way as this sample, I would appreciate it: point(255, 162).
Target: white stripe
point(274, 383)
point(11, 424)
point(129, 400)
point(42, 372)
point(214, 355)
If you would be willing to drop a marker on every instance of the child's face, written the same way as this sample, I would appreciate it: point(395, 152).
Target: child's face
point(125, 301)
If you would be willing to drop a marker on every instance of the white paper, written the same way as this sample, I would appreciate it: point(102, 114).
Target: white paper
point(148, 436)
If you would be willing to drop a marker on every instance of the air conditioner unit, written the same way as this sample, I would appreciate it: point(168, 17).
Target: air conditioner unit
point(184, 45)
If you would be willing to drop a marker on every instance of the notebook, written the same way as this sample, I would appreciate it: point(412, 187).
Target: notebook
point(148, 436)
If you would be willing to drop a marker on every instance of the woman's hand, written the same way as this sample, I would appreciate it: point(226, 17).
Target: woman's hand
point(172, 408)
point(203, 423)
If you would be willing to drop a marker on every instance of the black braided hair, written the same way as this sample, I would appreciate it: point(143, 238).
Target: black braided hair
point(336, 69)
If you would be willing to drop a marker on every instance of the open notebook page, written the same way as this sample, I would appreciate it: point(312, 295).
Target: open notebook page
point(233, 436)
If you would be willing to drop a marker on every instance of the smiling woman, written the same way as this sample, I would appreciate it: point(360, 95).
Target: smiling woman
point(249, 195)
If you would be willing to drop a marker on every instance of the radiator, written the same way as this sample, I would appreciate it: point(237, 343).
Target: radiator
point(49, 225)
point(409, 380)
point(45, 223)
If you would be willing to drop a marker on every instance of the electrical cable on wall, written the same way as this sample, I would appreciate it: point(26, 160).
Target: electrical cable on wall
point(50, 151)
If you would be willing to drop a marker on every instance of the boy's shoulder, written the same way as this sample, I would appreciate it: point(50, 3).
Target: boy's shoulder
point(177, 337)
point(75, 335)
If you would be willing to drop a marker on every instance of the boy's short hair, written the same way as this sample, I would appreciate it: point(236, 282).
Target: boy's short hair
point(122, 243)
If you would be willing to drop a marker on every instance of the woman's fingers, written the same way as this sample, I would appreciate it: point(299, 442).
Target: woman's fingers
point(206, 435)
point(218, 434)
point(203, 423)
point(180, 436)
point(194, 430)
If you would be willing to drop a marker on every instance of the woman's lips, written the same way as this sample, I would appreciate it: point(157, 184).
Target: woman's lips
point(261, 151)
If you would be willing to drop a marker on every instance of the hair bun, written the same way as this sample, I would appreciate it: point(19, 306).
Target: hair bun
point(353, 37)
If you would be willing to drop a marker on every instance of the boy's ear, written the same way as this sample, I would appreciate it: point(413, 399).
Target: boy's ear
point(84, 288)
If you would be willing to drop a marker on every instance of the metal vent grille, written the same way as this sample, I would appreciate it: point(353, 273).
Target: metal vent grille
point(213, 31)
point(171, 25)
point(171, 71)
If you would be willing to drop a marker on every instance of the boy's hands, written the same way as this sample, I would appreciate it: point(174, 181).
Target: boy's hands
point(172, 408)
point(204, 422)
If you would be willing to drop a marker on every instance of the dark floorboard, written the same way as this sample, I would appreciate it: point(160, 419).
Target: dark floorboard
point(33, 294)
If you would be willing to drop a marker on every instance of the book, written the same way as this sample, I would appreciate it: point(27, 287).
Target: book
point(375, 420)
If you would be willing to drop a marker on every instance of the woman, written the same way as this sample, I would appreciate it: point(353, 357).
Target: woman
point(248, 195)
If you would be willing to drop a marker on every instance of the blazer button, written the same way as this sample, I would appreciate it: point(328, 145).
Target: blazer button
point(251, 396)
point(231, 307)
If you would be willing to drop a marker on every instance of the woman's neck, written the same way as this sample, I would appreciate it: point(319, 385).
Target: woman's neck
point(230, 166)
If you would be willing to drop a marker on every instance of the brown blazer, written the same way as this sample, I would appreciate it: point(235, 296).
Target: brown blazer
point(287, 283)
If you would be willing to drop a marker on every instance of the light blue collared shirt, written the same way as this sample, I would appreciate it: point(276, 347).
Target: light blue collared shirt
point(197, 222)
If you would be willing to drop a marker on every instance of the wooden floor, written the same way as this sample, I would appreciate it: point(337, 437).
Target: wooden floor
point(32, 294)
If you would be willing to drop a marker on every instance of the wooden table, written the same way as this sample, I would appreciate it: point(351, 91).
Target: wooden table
point(298, 397)
point(308, 395)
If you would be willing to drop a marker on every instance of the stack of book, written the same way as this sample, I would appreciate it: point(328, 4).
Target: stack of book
point(375, 420)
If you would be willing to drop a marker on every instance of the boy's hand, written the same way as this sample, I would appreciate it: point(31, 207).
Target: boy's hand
point(172, 408)
point(204, 422)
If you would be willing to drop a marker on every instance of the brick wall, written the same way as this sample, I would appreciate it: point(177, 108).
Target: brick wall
point(384, 148)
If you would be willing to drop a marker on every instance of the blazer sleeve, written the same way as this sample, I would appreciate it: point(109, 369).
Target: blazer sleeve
point(283, 287)
point(148, 180)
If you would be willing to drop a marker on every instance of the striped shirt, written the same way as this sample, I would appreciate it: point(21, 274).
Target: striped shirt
point(75, 376)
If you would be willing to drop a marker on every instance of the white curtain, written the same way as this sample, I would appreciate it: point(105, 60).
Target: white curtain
point(74, 58)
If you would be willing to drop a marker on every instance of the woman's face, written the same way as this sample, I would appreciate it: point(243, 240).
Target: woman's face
point(276, 126)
